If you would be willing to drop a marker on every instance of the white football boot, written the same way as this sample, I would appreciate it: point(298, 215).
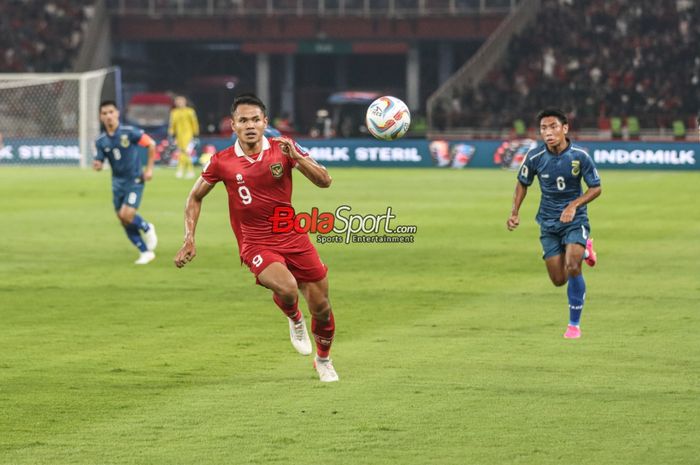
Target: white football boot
point(145, 258)
point(150, 238)
point(325, 369)
point(299, 337)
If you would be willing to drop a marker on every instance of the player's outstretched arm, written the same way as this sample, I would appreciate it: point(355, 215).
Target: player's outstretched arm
point(315, 172)
point(194, 206)
point(568, 214)
point(518, 197)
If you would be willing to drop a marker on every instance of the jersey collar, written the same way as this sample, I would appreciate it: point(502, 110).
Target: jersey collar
point(116, 130)
point(568, 147)
point(240, 153)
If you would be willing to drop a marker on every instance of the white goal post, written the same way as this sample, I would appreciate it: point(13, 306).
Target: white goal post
point(53, 118)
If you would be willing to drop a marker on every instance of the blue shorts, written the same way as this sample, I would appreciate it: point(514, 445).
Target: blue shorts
point(127, 192)
point(555, 238)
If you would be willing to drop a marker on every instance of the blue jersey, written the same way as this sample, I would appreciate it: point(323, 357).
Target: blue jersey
point(121, 149)
point(560, 180)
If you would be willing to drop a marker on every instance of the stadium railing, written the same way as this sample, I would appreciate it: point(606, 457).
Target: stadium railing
point(95, 50)
point(367, 8)
point(486, 57)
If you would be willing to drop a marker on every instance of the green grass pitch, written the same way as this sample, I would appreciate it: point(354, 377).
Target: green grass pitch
point(450, 349)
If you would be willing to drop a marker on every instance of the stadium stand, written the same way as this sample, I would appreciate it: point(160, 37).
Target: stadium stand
point(632, 62)
point(41, 36)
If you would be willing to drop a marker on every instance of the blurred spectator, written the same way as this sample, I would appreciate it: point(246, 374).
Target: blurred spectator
point(41, 36)
point(597, 59)
point(283, 124)
point(323, 126)
point(225, 128)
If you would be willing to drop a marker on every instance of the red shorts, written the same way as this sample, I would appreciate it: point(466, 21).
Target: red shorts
point(306, 266)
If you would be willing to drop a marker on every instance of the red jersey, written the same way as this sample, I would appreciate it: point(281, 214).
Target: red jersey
point(257, 184)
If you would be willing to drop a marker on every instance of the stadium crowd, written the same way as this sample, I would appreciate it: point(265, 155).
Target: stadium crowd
point(596, 59)
point(41, 36)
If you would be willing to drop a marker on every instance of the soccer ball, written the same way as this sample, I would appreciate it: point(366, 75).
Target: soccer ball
point(388, 118)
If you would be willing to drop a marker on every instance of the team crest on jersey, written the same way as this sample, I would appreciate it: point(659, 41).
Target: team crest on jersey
point(276, 169)
point(124, 142)
point(575, 167)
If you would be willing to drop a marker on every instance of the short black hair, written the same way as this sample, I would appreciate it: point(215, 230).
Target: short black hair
point(557, 113)
point(248, 99)
point(106, 103)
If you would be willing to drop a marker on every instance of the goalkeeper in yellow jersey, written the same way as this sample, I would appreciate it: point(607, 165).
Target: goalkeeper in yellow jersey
point(185, 128)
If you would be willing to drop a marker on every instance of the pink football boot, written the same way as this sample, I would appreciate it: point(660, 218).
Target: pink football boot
point(572, 332)
point(592, 257)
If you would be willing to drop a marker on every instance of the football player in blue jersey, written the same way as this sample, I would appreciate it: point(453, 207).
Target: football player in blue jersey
point(559, 166)
point(119, 144)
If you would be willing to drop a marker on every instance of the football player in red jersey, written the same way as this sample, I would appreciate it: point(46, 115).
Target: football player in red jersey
point(257, 173)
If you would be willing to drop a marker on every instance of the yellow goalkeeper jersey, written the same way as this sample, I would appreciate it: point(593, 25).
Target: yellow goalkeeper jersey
point(183, 125)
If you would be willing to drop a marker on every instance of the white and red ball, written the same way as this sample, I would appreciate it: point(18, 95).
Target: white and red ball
point(388, 118)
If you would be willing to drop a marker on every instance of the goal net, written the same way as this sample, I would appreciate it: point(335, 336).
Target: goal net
point(53, 118)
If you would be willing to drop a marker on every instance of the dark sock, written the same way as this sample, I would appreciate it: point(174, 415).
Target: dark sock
point(576, 291)
point(132, 232)
point(140, 223)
